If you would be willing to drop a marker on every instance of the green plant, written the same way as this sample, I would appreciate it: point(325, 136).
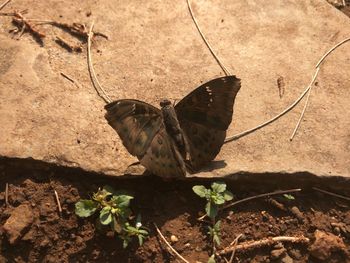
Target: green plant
point(289, 196)
point(114, 211)
point(216, 196)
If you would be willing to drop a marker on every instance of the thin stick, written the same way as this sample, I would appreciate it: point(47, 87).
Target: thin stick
point(264, 242)
point(97, 86)
point(227, 73)
point(58, 202)
point(70, 79)
point(234, 244)
point(330, 51)
point(304, 109)
point(167, 243)
point(7, 194)
point(4, 4)
point(239, 135)
point(332, 194)
point(260, 196)
point(307, 99)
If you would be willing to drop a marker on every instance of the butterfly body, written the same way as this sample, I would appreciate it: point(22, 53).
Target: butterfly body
point(190, 133)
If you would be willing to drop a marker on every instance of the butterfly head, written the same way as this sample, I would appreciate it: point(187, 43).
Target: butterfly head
point(164, 103)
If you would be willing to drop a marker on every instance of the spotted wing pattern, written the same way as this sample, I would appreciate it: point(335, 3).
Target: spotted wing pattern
point(204, 116)
point(141, 129)
point(163, 158)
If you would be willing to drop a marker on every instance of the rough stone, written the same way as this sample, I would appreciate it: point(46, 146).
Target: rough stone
point(19, 221)
point(325, 244)
point(154, 53)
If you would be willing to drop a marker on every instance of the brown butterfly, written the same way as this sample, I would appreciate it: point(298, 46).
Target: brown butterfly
point(189, 134)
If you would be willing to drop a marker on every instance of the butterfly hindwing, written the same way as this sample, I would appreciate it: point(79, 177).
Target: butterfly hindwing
point(163, 158)
point(204, 116)
point(136, 123)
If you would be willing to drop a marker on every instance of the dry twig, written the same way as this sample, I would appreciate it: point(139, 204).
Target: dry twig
point(332, 194)
point(24, 25)
point(168, 244)
point(66, 45)
point(58, 202)
point(96, 84)
point(260, 196)
point(264, 242)
point(7, 194)
point(234, 247)
point(4, 4)
point(227, 73)
point(70, 79)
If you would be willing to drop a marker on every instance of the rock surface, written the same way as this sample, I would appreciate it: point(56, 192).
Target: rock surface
point(155, 51)
point(21, 218)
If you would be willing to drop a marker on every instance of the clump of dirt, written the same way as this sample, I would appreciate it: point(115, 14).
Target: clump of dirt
point(33, 230)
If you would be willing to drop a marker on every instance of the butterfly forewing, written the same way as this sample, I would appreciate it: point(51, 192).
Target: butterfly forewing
point(141, 129)
point(204, 117)
point(135, 122)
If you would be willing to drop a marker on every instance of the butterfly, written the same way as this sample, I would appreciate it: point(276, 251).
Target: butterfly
point(171, 140)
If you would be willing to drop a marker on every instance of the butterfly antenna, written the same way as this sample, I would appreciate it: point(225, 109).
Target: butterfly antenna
point(97, 86)
point(226, 71)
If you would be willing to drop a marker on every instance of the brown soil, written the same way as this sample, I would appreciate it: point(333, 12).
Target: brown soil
point(171, 205)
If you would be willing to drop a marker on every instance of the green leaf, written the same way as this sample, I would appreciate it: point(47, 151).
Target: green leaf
point(289, 197)
point(121, 200)
point(200, 190)
point(217, 226)
point(211, 209)
point(216, 238)
point(140, 237)
point(125, 243)
point(143, 232)
point(85, 208)
point(212, 259)
point(106, 216)
point(218, 187)
point(218, 199)
point(109, 190)
point(228, 196)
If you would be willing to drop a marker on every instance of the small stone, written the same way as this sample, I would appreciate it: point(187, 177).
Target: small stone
point(173, 238)
point(19, 221)
point(336, 230)
point(295, 253)
point(277, 253)
point(187, 245)
point(287, 259)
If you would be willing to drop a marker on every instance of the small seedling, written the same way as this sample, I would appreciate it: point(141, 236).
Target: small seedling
point(114, 211)
point(289, 196)
point(216, 196)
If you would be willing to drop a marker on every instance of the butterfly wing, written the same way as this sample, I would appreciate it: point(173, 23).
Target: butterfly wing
point(163, 158)
point(135, 122)
point(204, 116)
point(141, 129)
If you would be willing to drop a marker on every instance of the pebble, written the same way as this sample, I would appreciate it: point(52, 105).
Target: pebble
point(174, 238)
point(277, 253)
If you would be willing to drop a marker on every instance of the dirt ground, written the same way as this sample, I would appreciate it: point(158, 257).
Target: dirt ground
point(47, 236)
point(50, 237)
